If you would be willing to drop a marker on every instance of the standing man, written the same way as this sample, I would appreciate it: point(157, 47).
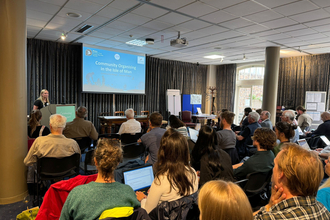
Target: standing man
point(288, 116)
point(265, 117)
point(80, 127)
point(131, 126)
point(304, 120)
point(152, 138)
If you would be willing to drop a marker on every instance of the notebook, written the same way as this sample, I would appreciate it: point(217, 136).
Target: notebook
point(303, 143)
point(193, 134)
point(139, 178)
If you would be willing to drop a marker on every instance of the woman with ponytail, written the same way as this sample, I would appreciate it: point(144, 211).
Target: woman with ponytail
point(284, 132)
point(34, 128)
point(212, 162)
point(105, 194)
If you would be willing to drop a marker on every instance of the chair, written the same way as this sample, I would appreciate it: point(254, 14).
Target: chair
point(88, 166)
point(133, 151)
point(51, 168)
point(186, 117)
point(83, 142)
point(144, 112)
point(104, 127)
point(119, 113)
point(130, 138)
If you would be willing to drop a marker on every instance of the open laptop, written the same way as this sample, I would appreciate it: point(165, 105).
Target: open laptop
point(303, 143)
point(325, 140)
point(139, 178)
point(199, 111)
point(193, 134)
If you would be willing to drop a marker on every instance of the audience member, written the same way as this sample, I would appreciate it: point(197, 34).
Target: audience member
point(212, 162)
point(323, 195)
point(296, 178)
point(265, 120)
point(244, 137)
point(177, 125)
point(174, 177)
point(131, 126)
point(34, 127)
point(226, 136)
point(80, 127)
point(219, 118)
point(89, 201)
point(42, 101)
point(54, 144)
point(152, 138)
point(264, 139)
point(324, 128)
point(284, 132)
point(288, 116)
point(222, 200)
point(304, 120)
point(245, 121)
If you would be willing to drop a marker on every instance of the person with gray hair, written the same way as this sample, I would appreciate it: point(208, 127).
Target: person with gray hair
point(131, 126)
point(54, 144)
point(80, 127)
point(288, 116)
point(324, 128)
point(265, 117)
point(244, 137)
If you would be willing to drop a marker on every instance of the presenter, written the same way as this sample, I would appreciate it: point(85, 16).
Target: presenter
point(42, 101)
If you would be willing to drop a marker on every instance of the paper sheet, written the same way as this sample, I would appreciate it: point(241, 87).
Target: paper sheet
point(311, 106)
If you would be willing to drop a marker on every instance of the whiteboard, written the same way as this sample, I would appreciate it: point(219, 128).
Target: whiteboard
point(315, 105)
point(173, 101)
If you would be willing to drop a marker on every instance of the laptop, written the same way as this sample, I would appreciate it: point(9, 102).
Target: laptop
point(193, 134)
point(303, 143)
point(325, 140)
point(199, 111)
point(139, 178)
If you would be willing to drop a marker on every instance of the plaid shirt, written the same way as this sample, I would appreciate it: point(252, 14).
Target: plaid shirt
point(295, 208)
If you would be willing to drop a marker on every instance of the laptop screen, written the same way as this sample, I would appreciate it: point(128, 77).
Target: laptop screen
point(139, 178)
point(303, 143)
point(193, 134)
point(325, 140)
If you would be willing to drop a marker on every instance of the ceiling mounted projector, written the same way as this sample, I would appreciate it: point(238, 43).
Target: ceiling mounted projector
point(179, 42)
point(150, 41)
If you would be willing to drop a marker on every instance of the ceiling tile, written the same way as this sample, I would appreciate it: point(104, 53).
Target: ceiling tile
point(101, 35)
point(282, 22)
point(57, 2)
point(111, 31)
point(272, 3)
point(38, 15)
point(327, 9)
point(34, 22)
point(252, 29)
point(323, 28)
point(64, 11)
point(172, 4)
point(223, 3)
point(123, 4)
point(143, 30)
point(318, 22)
point(301, 32)
point(82, 5)
point(149, 11)
point(245, 8)
point(291, 28)
point(95, 19)
point(109, 12)
point(120, 25)
point(213, 30)
point(108, 43)
point(319, 40)
point(134, 19)
point(42, 6)
point(90, 40)
point(263, 16)
point(311, 37)
point(63, 23)
point(311, 16)
point(321, 3)
point(218, 17)
point(194, 24)
point(197, 9)
point(295, 8)
point(236, 23)
point(157, 25)
point(265, 33)
point(173, 18)
point(275, 37)
point(291, 41)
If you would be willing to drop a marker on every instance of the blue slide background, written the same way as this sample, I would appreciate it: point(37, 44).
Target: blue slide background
point(186, 106)
point(104, 71)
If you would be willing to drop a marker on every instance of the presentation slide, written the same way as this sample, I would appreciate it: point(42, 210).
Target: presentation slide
point(69, 111)
point(106, 71)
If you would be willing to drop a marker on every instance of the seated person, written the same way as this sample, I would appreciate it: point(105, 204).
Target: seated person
point(297, 175)
point(80, 127)
point(244, 137)
point(152, 138)
point(324, 128)
point(177, 125)
point(265, 120)
point(264, 139)
point(34, 128)
point(222, 200)
point(304, 119)
point(90, 200)
point(288, 116)
point(226, 136)
point(54, 144)
point(174, 177)
point(131, 126)
point(323, 195)
point(212, 162)
point(284, 132)
point(245, 121)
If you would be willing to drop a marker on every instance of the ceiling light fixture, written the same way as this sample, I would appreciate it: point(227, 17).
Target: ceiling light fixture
point(221, 60)
point(244, 58)
point(63, 36)
point(73, 15)
point(213, 57)
point(136, 42)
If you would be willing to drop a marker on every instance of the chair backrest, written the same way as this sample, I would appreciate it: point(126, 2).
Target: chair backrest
point(133, 150)
point(105, 113)
point(257, 182)
point(57, 167)
point(186, 116)
point(88, 159)
point(130, 138)
point(83, 142)
point(119, 113)
point(144, 112)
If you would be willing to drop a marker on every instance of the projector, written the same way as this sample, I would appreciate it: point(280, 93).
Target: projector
point(179, 42)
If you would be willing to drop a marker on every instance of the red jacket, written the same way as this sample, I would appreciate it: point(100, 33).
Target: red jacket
point(56, 195)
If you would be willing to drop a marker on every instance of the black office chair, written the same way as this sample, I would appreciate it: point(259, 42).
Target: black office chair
point(88, 164)
point(130, 138)
point(84, 143)
point(51, 168)
point(133, 151)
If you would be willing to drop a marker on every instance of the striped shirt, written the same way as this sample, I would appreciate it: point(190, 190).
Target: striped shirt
point(295, 208)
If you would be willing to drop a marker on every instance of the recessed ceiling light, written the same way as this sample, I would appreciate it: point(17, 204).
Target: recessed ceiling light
point(136, 42)
point(63, 36)
point(213, 57)
point(73, 15)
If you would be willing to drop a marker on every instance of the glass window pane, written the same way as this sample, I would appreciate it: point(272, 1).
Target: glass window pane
point(243, 101)
point(257, 97)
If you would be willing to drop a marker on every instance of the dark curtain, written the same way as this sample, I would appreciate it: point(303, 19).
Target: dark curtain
point(189, 78)
point(226, 82)
point(57, 68)
point(300, 74)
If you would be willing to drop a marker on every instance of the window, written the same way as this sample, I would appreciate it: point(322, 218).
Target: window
point(249, 89)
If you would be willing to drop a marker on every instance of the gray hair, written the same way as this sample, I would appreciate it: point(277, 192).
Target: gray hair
point(268, 114)
point(290, 114)
point(57, 121)
point(129, 113)
point(255, 116)
point(82, 112)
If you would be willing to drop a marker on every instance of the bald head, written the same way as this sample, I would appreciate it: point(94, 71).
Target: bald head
point(325, 116)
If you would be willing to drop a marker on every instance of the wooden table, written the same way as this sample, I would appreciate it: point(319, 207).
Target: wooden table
point(107, 121)
point(197, 118)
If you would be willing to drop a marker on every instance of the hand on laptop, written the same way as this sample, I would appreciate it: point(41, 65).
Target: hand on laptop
point(140, 195)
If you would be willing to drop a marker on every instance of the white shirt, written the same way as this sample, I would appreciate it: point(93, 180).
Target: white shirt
point(131, 126)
